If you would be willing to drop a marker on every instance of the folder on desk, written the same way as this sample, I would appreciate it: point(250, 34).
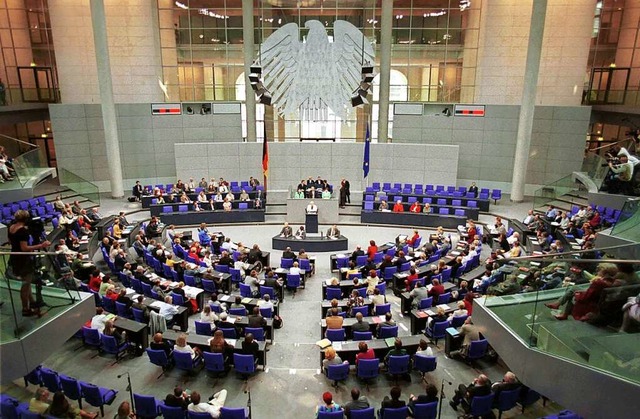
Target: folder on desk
point(430, 312)
point(231, 320)
point(337, 346)
point(390, 341)
point(246, 300)
point(324, 343)
point(224, 297)
point(453, 331)
point(443, 306)
point(422, 314)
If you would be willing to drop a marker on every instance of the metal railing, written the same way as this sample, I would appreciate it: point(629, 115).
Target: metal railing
point(628, 224)
point(79, 185)
point(554, 190)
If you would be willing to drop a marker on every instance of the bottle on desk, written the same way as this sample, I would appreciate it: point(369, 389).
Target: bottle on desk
point(321, 235)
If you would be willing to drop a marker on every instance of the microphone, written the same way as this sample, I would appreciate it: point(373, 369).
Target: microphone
point(122, 375)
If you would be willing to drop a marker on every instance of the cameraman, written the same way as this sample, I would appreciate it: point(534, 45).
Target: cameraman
point(623, 172)
point(23, 266)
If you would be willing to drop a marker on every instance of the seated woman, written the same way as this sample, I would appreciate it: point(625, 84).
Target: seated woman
point(60, 408)
point(202, 197)
point(426, 209)
point(244, 196)
point(410, 282)
point(329, 405)
point(355, 300)
point(461, 311)
point(110, 330)
point(439, 317)
point(182, 346)
point(331, 358)
point(207, 316)
point(219, 345)
point(582, 305)
point(364, 352)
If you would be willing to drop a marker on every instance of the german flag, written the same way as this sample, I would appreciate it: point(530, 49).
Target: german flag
point(265, 156)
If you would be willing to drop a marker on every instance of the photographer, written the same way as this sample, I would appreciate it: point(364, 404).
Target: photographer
point(22, 265)
point(622, 174)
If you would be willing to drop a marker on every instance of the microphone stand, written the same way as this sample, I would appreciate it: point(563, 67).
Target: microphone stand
point(248, 393)
point(130, 389)
point(442, 396)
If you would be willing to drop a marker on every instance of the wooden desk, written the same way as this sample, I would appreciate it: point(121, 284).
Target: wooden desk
point(418, 323)
point(348, 350)
point(406, 300)
point(202, 342)
point(137, 333)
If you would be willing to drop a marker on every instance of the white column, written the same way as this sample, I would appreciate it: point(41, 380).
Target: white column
point(527, 107)
point(386, 24)
point(99, 24)
point(247, 35)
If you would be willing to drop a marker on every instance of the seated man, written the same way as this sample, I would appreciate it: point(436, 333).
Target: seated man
point(398, 207)
point(214, 405)
point(333, 232)
point(286, 231)
point(360, 325)
point(388, 322)
point(357, 402)
point(417, 294)
point(394, 402)
point(470, 333)
point(178, 398)
point(334, 320)
point(509, 382)
point(481, 386)
point(40, 401)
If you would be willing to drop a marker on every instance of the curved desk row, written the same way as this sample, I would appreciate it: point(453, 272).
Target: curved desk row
point(411, 219)
point(310, 244)
point(161, 209)
point(483, 204)
point(212, 217)
point(472, 213)
point(148, 200)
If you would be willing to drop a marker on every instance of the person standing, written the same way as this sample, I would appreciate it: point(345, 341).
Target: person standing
point(343, 194)
point(3, 94)
point(347, 188)
point(23, 266)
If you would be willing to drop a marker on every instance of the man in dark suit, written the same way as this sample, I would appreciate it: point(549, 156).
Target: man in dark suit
point(473, 189)
point(481, 386)
point(225, 260)
point(401, 259)
point(288, 254)
point(356, 253)
point(178, 398)
point(509, 382)
point(394, 402)
point(256, 319)
point(254, 254)
point(333, 232)
point(286, 231)
point(360, 325)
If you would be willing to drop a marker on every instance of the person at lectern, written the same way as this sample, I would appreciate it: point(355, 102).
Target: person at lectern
point(333, 232)
point(312, 208)
point(286, 231)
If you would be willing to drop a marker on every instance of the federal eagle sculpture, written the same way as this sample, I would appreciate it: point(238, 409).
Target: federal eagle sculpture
point(313, 76)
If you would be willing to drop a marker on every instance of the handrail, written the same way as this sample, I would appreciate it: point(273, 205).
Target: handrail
point(19, 141)
point(2, 253)
point(555, 256)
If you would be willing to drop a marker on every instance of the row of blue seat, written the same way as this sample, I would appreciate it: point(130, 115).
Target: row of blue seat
point(235, 187)
point(38, 207)
point(428, 189)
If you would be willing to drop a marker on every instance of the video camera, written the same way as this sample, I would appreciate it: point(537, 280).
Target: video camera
point(611, 158)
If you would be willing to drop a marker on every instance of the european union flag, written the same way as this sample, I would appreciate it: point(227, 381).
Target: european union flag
point(367, 143)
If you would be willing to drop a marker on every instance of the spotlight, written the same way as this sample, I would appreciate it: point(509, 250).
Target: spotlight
point(368, 78)
point(358, 100)
point(255, 69)
point(265, 99)
point(446, 112)
point(367, 69)
point(254, 78)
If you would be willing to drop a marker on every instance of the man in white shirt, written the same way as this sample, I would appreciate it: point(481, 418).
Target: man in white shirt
point(213, 407)
point(515, 237)
point(266, 302)
point(168, 310)
point(98, 321)
point(333, 231)
point(312, 208)
point(294, 270)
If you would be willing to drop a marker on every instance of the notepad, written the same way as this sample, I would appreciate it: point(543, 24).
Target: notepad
point(231, 320)
point(443, 306)
point(390, 341)
point(324, 343)
point(246, 300)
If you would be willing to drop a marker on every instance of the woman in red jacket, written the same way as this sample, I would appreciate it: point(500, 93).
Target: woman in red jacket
point(372, 249)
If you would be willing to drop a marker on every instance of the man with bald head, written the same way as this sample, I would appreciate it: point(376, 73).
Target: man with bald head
point(481, 386)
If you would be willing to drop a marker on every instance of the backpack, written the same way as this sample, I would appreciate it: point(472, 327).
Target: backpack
point(277, 322)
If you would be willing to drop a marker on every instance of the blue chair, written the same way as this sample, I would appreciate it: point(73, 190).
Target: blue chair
point(189, 280)
point(342, 262)
point(233, 413)
point(286, 263)
point(33, 377)
point(477, 349)
point(362, 336)
point(496, 195)
point(424, 364)
point(336, 335)
point(458, 321)
point(110, 345)
point(361, 260)
point(245, 291)
point(236, 275)
point(208, 285)
point(240, 311)
point(108, 304)
point(388, 332)
point(159, 357)
point(91, 337)
point(382, 309)
point(27, 414)
point(97, 396)
point(257, 332)
point(177, 299)
point(266, 312)
point(122, 310)
point(50, 379)
point(293, 282)
point(507, 400)
point(437, 331)
point(71, 388)
point(337, 373)
point(215, 362)
point(425, 303)
point(331, 415)
point(305, 264)
point(229, 333)
point(368, 205)
point(368, 413)
point(203, 328)
point(481, 405)
point(368, 369)
point(146, 406)
point(270, 291)
point(138, 315)
point(399, 413)
point(398, 365)
point(425, 410)
point(222, 268)
point(528, 397)
point(183, 361)
point(364, 309)
point(389, 271)
point(444, 298)
point(332, 293)
point(11, 408)
point(146, 289)
point(244, 364)
point(443, 211)
point(171, 412)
